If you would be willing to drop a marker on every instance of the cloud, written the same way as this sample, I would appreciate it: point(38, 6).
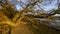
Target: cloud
point(49, 5)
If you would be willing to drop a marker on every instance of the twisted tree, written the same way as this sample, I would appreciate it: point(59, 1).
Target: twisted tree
point(12, 17)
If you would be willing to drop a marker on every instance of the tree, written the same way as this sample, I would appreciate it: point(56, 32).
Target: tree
point(13, 17)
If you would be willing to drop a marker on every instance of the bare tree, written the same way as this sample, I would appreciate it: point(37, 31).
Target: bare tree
point(13, 18)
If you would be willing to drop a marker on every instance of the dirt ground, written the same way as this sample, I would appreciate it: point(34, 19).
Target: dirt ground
point(26, 29)
point(22, 29)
